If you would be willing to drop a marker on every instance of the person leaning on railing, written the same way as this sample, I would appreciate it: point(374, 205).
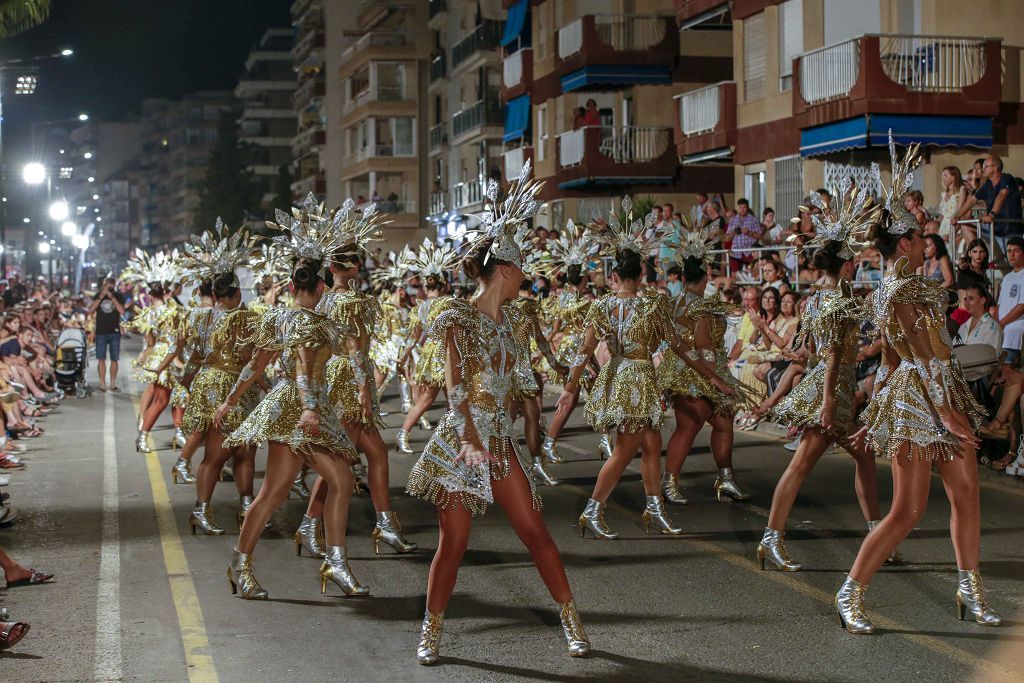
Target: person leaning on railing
point(1001, 196)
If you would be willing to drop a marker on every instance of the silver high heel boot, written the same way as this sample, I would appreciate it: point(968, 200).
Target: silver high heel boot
point(424, 423)
point(726, 484)
point(572, 628)
point(299, 487)
point(655, 514)
point(310, 536)
point(592, 518)
point(243, 581)
point(402, 442)
point(606, 447)
point(540, 475)
point(670, 489)
point(550, 451)
point(429, 649)
point(894, 557)
point(179, 438)
point(142, 443)
point(182, 470)
point(389, 530)
point(773, 548)
point(335, 568)
point(850, 605)
point(970, 600)
point(202, 519)
point(244, 503)
point(406, 394)
point(138, 428)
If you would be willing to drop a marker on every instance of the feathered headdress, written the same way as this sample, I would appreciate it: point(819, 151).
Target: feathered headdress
point(432, 260)
point(217, 252)
point(638, 235)
point(698, 244)
point(358, 227)
point(146, 268)
point(266, 262)
point(849, 225)
point(902, 178)
point(504, 222)
point(575, 246)
point(395, 274)
point(308, 232)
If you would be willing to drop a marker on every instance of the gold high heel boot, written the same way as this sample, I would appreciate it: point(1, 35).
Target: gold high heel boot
point(182, 470)
point(850, 605)
point(773, 548)
point(402, 442)
point(670, 489)
point(424, 423)
point(550, 451)
point(655, 514)
point(310, 536)
point(572, 628)
point(606, 447)
point(179, 438)
point(299, 486)
point(970, 600)
point(389, 530)
point(202, 519)
point(335, 568)
point(406, 394)
point(142, 443)
point(429, 649)
point(540, 475)
point(726, 484)
point(894, 557)
point(243, 581)
point(592, 518)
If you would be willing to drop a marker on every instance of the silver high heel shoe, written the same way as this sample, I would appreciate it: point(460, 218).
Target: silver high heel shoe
point(309, 536)
point(429, 649)
point(299, 487)
point(335, 568)
point(243, 581)
point(202, 519)
point(142, 443)
point(406, 394)
point(402, 442)
point(970, 600)
point(179, 438)
point(726, 484)
point(576, 640)
point(182, 470)
point(850, 605)
point(592, 518)
point(894, 557)
point(389, 530)
point(540, 475)
point(424, 423)
point(670, 489)
point(606, 447)
point(773, 548)
point(550, 451)
point(655, 514)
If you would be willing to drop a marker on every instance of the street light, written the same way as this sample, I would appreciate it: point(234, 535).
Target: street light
point(59, 210)
point(80, 242)
point(83, 117)
point(87, 155)
point(44, 247)
point(66, 52)
point(68, 229)
point(34, 173)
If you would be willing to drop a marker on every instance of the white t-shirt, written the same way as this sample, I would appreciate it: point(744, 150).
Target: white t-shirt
point(987, 331)
point(1011, 293)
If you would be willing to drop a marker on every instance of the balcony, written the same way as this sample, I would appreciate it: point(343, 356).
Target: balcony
point(601, 155)
point(514, 159)
point(381, 93)
point(379, 44)
point(485, 112)
point(484, 38)
point(438, 67)
point(438, 203)
point(707, 122)
point(438, 9)
point(517, 73)
point(305, 93)
point(703, 14)
point(317, 184)
point(897, 74)
point(438, 136)
point(389, 149)
point(312, 40)
point(308, 141)
point(467, 194)
point(593, 49)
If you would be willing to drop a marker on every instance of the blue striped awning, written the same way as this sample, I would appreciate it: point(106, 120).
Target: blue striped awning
point(872, 130)
point(590, 76)
point(517, 118)
point(515, 22)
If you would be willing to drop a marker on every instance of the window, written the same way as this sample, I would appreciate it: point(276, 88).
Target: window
point(789, 188)
point(791, 39)
point(541, 131)
point(754, 57)
point(753, 190)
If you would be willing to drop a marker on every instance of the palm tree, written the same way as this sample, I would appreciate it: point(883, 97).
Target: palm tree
point(18, 16)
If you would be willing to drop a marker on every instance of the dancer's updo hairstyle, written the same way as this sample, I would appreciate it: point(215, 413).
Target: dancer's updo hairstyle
point(224, 286)
point(827, 258)
point(306, 274)
point(474, 265)
point(206, 288)
point(628, 264)
point(694, 269)
point(886, 242)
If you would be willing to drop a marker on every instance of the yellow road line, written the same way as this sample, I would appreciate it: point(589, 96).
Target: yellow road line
point(183, 590)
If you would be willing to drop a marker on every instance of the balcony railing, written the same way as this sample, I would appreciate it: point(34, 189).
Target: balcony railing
point(438, 67)
point(438, 136)
point(307, 140)
point(627, 145)
point(700, 110)
point(468, 193)
point(389, 38)
point(485, 112)
point(381, 93)
point(513, 67)
point(390, 149)
point(438, 203)
point(307, 43)
point(620, 32)
point(396, 206)
point(313, 87)
point(484, 37)
point(514, 160)
point(829, 72)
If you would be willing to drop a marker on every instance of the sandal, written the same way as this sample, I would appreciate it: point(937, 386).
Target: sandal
point(34, 579)
point(11, 632)
point(995, 430)
point(6, 463)
point(1002, 463)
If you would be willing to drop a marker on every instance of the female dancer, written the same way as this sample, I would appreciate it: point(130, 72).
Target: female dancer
point(472, 459)
point(296, 416)
point(694, 394)
point(386, 341)
point(922, 414)
point(432, 263)
point(625, 397)
point(822, 404)
point(352, 388)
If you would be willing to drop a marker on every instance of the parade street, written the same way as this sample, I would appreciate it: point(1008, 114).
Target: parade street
point(138, 598)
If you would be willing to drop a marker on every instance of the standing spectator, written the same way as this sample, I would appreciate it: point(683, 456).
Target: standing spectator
point(108, 307)
point(1011, 300)
point(578, 114)
point(592, 116)
point(1002, 202)
point(912, 202)
point(698, 209)
point(713, 219)
point(15, 293)
point(673, 231)
point(937, 265)
point(745, 231)
point(954, 194)
point(772, 231)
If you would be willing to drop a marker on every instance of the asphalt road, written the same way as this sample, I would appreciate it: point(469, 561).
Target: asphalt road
point(138, 598)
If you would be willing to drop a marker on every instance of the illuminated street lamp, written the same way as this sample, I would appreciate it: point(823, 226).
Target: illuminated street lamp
point(83, 117)
point(80, 242)
point(34, 173)
point(44, 247)
point(59, 210)
point(68, 229)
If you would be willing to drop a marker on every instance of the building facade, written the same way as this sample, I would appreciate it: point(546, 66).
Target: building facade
point(308, 98)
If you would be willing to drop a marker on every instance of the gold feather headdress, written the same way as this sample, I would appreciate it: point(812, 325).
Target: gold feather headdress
point(575, 246)
point(638, 235)
point(697, 244)
point(902, 178)
point(505, 222)
point(217, 252)
point(148, 268)
point(849, 225)
point(432, 260)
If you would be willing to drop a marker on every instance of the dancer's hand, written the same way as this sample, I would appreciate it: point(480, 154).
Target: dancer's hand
point(309, 422)
point(858, 440)
point(958, 426)
point(218, 417)
point(723, 386)
point(365, 402)
point(564, 403)
point(825, 414)
point(474, 454)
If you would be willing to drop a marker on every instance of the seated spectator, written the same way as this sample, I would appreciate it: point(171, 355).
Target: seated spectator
point(937, 265)
point(745, 330)
point(912, 201)
point(773, 275)
point(1001, 197)
point(977, 258)
point(931, 227)
point(980, 327)
point(774, 331)
point(674, 282)
point(1011, 300)
point(869, 269)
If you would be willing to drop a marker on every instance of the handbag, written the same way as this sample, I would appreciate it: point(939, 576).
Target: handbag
point(976, 360)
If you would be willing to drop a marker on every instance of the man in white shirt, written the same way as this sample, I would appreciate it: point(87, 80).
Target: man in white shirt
point(1011, 300)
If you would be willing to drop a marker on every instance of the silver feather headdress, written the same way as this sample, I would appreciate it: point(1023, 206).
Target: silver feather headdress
point(505, 222)
point(849, 225)
point(639, 235)
point(394, 274)
point(433, 260)
point(145, 268)
point(359, 227)
point(902, 178)
point(575, 246)
point(698, 244)
point(306, 232)
point(217, 252)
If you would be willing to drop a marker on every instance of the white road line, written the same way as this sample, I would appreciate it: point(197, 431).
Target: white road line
point(108, 595)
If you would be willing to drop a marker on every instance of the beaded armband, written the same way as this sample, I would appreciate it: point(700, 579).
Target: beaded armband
point(937, 376)
point(882, 374)
point(358, 361)
point(243, 376)
point(693, 354)
point(306, 392)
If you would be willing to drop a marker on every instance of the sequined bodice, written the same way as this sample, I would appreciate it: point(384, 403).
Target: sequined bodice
point(202, 323)
point(929, 301)
point(224, 348)
point(633, 327)
point(490, 387)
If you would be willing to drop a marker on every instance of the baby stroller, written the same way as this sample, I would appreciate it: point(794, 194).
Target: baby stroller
point(71, 361)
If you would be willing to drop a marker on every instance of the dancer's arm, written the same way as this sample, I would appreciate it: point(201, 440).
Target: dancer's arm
point(246, 378)
point(692, 355)
point(472, 451)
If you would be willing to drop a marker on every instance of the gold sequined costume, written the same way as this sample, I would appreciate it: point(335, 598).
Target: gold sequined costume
point(357, 314)
point(570, 308)
point(481, 384)
point(917, 372)
point(524, 317)
point(430, 364)
point(386, 345)
point(188, 341)
point(163, 322)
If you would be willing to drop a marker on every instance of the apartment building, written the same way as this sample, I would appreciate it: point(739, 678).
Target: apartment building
point(817, 84)
point(627, 59)
point(268, 121)
point(308, 103)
